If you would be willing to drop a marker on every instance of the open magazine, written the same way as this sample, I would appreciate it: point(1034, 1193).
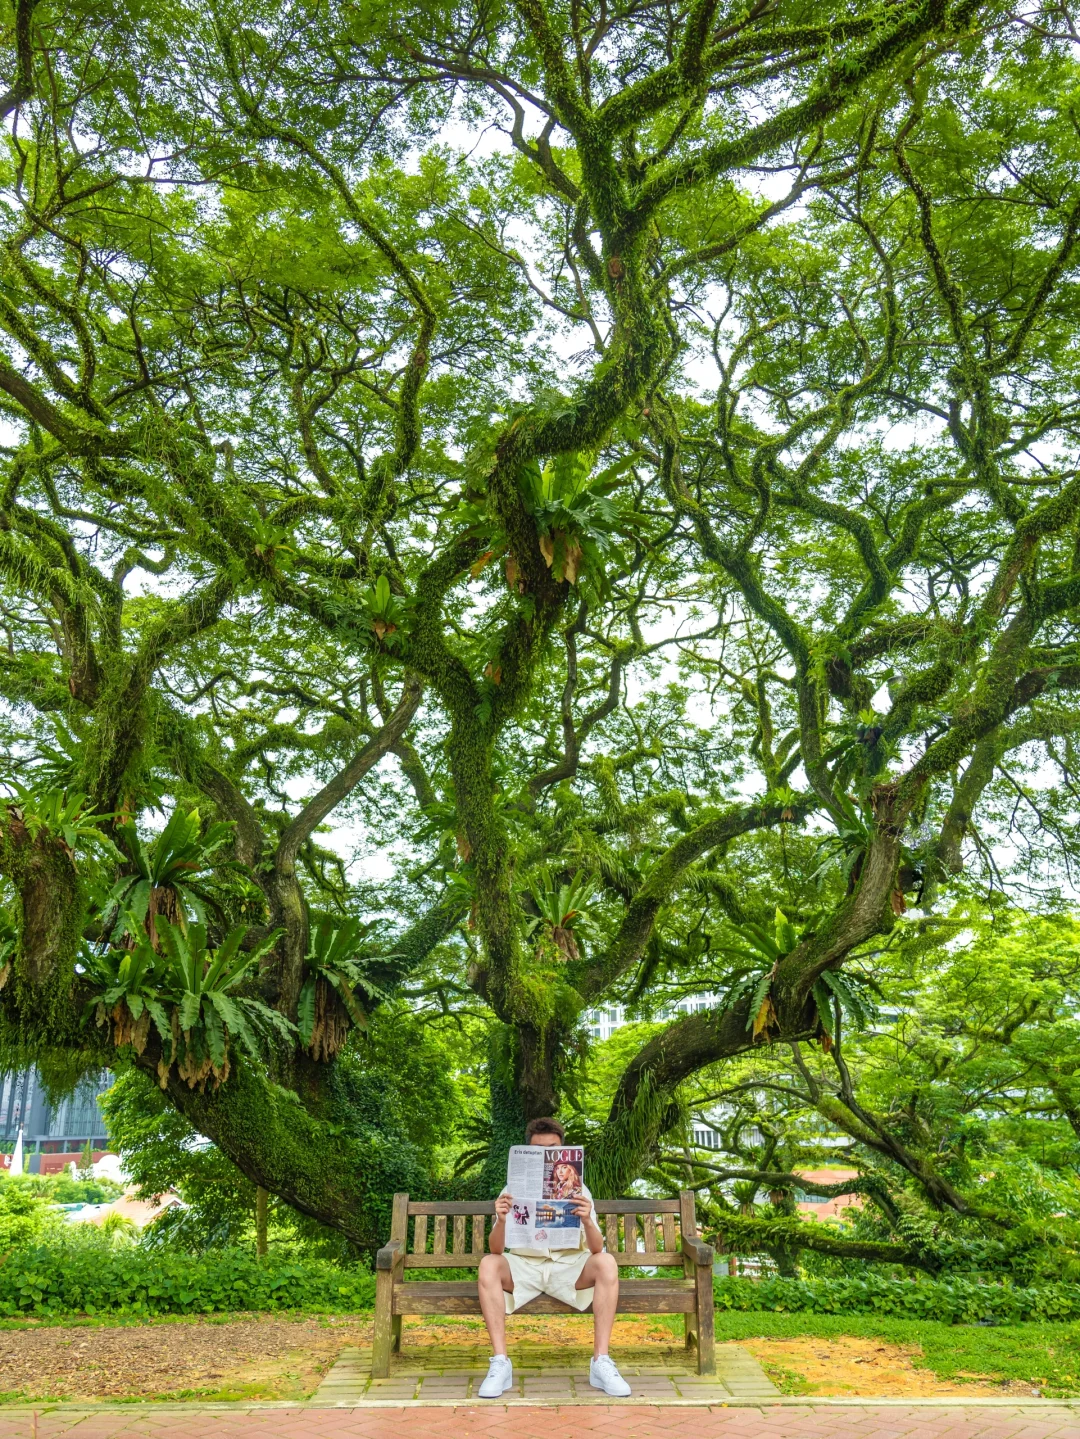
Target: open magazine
point(543, 1183)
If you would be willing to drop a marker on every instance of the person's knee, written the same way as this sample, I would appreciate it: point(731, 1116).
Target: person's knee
point(607, 1269)
point(490, 1271)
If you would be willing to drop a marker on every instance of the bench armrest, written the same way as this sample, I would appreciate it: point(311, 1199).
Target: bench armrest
point(389, 1255)
point(697, 1250)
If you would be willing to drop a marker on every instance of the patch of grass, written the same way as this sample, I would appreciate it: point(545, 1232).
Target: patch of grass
point(232, 1393)
point(787, 1380)
point(1044, 1356)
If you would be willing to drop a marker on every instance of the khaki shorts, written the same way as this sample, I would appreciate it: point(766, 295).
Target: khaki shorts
point(556, 1276)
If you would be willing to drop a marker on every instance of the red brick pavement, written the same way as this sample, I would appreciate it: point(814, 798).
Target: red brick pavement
point(808, 1421)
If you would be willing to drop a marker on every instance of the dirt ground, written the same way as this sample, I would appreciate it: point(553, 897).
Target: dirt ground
point(867, 1368)
point(257, 1357)
point(273, 1357)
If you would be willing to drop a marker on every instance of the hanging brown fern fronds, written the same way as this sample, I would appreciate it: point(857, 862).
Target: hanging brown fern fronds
point(329, 1003)
point(563, 918)
point(330, 1023)
point(183, 989)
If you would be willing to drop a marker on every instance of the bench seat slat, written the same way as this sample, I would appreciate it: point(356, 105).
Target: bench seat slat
point(457, 1296)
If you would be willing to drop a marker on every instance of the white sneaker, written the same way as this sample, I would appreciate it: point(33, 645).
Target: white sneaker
point(500, 1378)
point(604, 1375)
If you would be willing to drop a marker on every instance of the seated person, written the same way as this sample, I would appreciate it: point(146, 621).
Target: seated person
point(580, 1276)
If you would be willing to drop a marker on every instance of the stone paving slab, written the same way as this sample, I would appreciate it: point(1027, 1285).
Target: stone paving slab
point(791, 1420)
point(738, 1377)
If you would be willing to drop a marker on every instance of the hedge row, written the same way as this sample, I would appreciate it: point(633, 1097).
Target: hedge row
point(59, 1279)
point(955, 1301)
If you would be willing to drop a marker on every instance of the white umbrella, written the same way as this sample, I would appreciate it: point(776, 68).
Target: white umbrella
point(17, 1157)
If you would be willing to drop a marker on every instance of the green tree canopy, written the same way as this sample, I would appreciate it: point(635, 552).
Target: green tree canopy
point(610, 463)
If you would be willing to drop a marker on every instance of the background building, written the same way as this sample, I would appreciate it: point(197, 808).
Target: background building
point(53, 1134)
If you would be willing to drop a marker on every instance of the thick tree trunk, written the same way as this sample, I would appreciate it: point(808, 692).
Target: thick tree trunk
point(343, 1178)
point(538, 1053)
point(507, 1121)
point(50, 910)
point(261, 1205)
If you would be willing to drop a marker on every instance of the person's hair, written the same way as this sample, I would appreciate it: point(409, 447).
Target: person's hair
point(544, 1126)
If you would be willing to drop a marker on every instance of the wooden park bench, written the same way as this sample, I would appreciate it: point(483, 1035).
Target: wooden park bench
point(641, 1233)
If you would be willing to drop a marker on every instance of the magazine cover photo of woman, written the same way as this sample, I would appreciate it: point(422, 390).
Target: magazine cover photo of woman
point(565, 1179)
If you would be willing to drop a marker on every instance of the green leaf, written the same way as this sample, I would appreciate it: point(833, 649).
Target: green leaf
point(161, 1020)
point(215, 1036)
point(757, 999)
point(190, 1008)
point(786, 938)
point(824, 1006)
point(305, 1011)
point(341, 984)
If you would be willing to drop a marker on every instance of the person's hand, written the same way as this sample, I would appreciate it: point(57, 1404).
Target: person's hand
point(502, 1206)
point(581, 1206)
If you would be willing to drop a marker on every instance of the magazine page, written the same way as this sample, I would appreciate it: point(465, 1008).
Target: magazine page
point(543, 1183)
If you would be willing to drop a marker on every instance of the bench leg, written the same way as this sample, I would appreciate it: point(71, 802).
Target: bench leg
point(704, 1320)
point(383, 1337)
point(690, 1330)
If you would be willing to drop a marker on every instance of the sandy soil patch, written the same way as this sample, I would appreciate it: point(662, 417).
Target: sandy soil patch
point(867, 1368)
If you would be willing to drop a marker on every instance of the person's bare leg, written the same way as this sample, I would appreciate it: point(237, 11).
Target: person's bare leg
point(601, 1274)
point(494, 1279)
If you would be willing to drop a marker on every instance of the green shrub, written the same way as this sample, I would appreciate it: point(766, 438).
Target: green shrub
point(24, 1217)
point(66, 1190)
point(60, 1188)
point(955, 1301)
point(86, 1274)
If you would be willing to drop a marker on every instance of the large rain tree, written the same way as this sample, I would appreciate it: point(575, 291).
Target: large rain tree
point(609, 465)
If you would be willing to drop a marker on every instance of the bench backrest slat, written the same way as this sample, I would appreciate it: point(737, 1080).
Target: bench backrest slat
point(611, 1232)
point(638, 1232)
point(670, 1241)
point(487, 1206)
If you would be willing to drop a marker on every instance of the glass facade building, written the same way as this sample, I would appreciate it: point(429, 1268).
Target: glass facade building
point(60, 1128)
